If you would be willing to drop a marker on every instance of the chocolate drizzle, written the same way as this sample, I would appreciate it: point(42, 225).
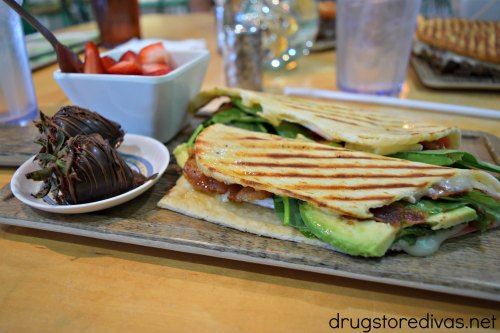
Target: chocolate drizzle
point(95, 171)
point(73, 120)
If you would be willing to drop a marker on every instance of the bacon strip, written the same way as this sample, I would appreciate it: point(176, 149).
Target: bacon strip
point(236, 193)
point(396, 213)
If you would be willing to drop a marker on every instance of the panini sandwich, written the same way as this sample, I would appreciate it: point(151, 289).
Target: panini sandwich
point(357, 203)
point(355, 129)
point(351, 128)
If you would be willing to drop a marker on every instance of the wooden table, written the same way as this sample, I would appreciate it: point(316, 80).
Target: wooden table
point(52, 282)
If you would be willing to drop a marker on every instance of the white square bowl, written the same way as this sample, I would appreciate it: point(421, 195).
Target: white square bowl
point(154, 106)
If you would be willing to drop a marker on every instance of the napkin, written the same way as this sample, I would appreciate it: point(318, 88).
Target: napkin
point(171, 45)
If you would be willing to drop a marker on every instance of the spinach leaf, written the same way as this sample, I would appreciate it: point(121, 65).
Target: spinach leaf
point(291, 130)
point(486, 206)
point(193, 136)
point(288, 211)
point(255, 127)
point(411, 234)
point(334, 144)
point(232, 115)
point(247, 109)
point(448, 157)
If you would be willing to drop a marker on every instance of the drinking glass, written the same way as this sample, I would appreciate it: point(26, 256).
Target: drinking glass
point(18, 103)
point(374, 39)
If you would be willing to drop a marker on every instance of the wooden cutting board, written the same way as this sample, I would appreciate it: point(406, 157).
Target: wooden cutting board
point(17, 144)
point(468, 265)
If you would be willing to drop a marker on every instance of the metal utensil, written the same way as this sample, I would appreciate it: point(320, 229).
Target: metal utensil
point(68, 61)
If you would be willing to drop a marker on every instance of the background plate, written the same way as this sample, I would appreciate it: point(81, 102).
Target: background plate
point(433, 80)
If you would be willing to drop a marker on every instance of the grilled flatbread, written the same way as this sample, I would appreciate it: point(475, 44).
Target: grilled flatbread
point(337, 188)
point(362, 130)
point(478, 40)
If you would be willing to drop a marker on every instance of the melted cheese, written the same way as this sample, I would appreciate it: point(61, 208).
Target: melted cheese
point(428, 245)
point(463, 182)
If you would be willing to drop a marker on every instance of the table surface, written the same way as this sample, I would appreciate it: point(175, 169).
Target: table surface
point(52, 282)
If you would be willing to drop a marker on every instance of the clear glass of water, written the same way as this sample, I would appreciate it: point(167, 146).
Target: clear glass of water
point(374, 39)
point(18, 103)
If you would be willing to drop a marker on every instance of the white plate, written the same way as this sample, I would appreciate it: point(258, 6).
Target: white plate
point(145, 155)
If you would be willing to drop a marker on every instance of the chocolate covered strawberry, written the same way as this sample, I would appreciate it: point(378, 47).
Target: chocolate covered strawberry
point(84, 169)
point(73, 120)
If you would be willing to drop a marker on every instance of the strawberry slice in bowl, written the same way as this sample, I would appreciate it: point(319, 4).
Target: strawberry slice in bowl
point(154, 54)
point(93, 63)
point(107, 62)
point(125, 68)
point(130, 56)
point(154, 69)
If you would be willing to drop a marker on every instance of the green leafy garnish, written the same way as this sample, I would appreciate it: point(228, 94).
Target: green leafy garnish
point(486, 206)
point(432, 207)
point(448, 157)
point(288, 210)
point(291, 130)
point(195, 134)
point(411, 234)
point(234, 114)
point(247, 109)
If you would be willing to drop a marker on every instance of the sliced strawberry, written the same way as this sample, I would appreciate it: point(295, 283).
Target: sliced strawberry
point(125, 68)
point(154, 53)
point(159, 72)
point(107, 62)
point(130, 56)
point(158, 69)
point(93, 64)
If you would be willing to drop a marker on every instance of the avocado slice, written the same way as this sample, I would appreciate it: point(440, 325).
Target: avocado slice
point(451, 218)
point(358, 238)
point(181, 153)
point(369, 238)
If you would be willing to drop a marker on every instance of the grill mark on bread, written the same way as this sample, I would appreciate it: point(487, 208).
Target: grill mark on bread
point(330, 166)
point(319, 110)
point(348, 115)
point(305, 155)
point(365, 198)
point(393, 124)
point(300, 145)
point(357, 187)
point(315, 201)
point(334, 176)
point(252, 138)
point(275, 144)
point(337, 120)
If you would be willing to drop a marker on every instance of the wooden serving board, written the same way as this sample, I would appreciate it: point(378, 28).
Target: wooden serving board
point(469, 265)
point(17, 144)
